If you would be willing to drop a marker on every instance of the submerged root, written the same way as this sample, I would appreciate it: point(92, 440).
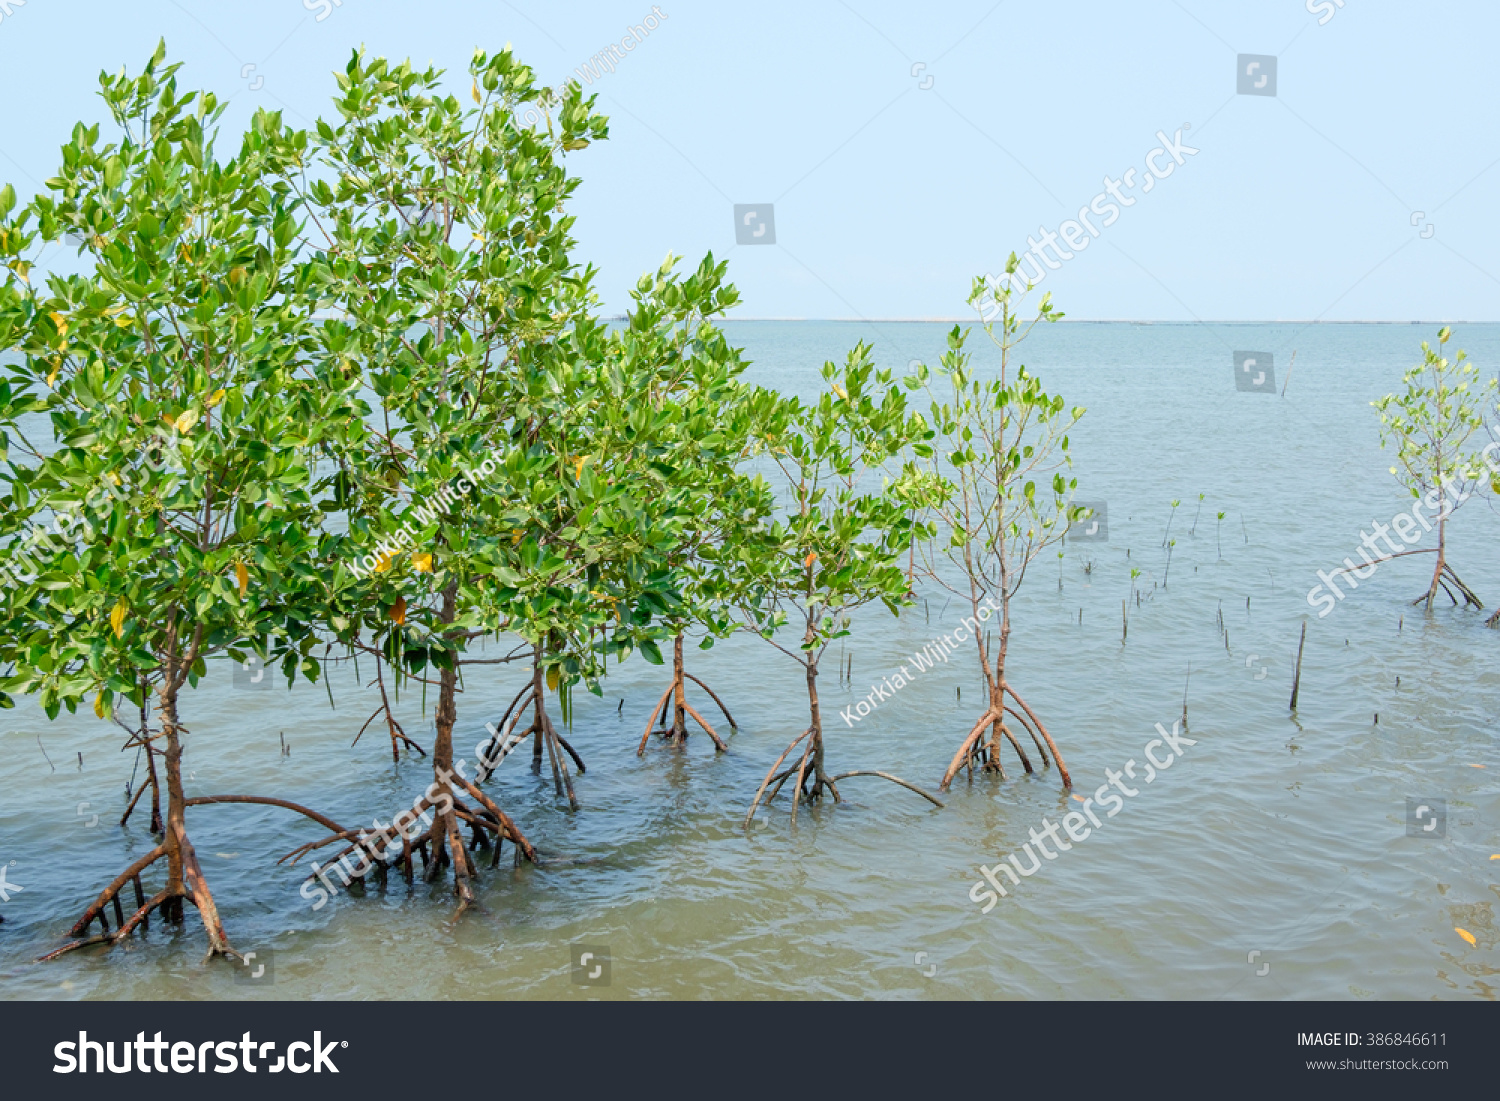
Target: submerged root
point(974, 750)
point(440, 845)
point(811, 781)
point(504, 739)
point(186, 882)
point(1444, 578)
point(673, 702)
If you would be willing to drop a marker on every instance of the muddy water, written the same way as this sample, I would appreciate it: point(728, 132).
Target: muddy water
point(1271, 860)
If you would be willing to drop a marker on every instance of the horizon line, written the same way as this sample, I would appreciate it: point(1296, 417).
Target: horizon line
point(1127, 321)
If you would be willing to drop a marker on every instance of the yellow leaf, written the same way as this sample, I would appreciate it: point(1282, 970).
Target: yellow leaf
point(1468, 936)
point(123, 321)
point(1476, 766)
point(1080, 798)
point(398, 610)
point(474, 91)
point(552, 678)
point(21, 267)
point(214, 398)
point(99, 707)
point(187, 420)
point(242, 575)
point(383, 563)
point(117, 617)
point(812, 557)
point(423, 562)
point(578, 465)
point(60, 321)
point(840, 391)
point(52, 378)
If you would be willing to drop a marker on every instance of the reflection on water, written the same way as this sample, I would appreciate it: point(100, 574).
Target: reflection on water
point(1272, 860)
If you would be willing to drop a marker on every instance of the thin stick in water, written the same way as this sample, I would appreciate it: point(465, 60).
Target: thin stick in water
point(1297, 676)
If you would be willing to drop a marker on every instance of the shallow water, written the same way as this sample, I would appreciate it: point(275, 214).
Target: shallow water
point(1273, 834)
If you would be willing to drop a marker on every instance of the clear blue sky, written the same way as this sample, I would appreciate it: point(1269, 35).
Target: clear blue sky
point(889, 195)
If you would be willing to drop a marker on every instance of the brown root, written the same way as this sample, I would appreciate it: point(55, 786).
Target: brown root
point(769, 773)
point(193, 888)
point(812, 780)
point(933, 799)
point(1442, 578)
point(674, 702)
point(973, 747)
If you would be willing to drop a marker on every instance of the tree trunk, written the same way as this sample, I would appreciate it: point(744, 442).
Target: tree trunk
point(446, 714)
point(815, 715)
point(176, 800)
point(679, 721)
point(156, 823)
point(1442, 560)
point(538, 686)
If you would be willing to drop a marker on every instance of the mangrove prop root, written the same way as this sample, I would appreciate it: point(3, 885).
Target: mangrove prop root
point(1036, 741)
point(114, 888)
point(554, 747)
point(436, 846)
point(207, 800)
point(1062, 768)
point(973, 746)
point(140, 916)
point(769, 773)
point(503, 819)
point(674, 699)
point(193, 888)
point(727, 716)
point(200, 896)
point(933, 799)
point(395, 729)
point(811, 780)
point(966, 749)
point(1025, 761)
point(1444, 577)
point(651, 719)
point(701, 721)
point(540, 728)
point(797, 791)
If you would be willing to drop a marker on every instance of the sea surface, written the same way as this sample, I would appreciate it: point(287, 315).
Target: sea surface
point(1277, 857)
